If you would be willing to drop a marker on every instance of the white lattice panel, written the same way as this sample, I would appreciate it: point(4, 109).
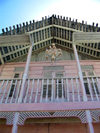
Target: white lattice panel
point(8, 116)
point(25, 115)
point(80, 114)
point(95, 115)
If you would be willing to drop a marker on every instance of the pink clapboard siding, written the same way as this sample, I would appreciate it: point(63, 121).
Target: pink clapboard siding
point(36, 68)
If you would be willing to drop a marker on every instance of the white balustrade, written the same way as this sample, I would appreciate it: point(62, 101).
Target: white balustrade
point(49, 90)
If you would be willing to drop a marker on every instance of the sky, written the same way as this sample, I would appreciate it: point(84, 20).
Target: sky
point(13, 12)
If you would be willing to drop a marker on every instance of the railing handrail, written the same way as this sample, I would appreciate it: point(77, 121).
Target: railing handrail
point(42, 78)
point(66, 89)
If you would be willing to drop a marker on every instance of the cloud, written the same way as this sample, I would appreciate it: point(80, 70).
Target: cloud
point(87, 10)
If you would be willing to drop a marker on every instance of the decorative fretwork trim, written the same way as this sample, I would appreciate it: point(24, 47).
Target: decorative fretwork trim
point(25, 115)
point(8, 116)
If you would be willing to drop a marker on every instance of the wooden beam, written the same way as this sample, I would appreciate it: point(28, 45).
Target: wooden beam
point(66, 28)
point(58, 38)
point(40, 29)
point(48, 107)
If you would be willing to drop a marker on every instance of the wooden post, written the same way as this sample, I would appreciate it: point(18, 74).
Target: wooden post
point(14, 30)
point(3, 31)
point(88, 115)
point(15, 121)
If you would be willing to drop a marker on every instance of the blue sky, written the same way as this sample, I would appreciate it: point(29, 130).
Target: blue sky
point(14, 12)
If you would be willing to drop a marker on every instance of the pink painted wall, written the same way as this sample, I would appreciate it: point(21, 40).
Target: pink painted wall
point(36, 68)
point(36, 71)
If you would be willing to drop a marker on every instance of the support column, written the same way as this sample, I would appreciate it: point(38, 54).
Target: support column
point(88, 115)
point(25, 76)
point(80, 73)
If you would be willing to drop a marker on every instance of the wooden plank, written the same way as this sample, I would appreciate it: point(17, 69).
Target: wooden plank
point(86, 37)
point(40, 29)
point(48, 107)
point(31, 96)
point(37, 90)
point(14, 40)
point(67, 28)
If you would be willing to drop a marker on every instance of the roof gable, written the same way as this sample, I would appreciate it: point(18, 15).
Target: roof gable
point(14, 43)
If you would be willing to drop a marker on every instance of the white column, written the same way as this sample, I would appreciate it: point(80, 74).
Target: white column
point(15, 121)
point(88, 115)
point(80, 73)
point(25, 76)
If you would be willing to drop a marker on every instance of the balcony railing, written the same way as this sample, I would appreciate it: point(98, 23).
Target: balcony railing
point(49, 90)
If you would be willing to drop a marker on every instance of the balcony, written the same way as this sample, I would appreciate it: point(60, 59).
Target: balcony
point(54, 90)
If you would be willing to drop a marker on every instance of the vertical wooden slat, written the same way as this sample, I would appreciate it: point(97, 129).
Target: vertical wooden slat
point(47, 30)
point(37, 89)
point(2, 86)
point(98, 84)
point(78, 91)
point(9, 91)
point(73, 97)
point(95, 89)
point(62, 89)
point(52, 96)
point(30, 100)
point(5, 89)
point(67, 87)
point(44, 34)
point(13, 92)
point(41, 35)
point(17, 91)
point(47, 90)
point(26, 94)
point(42, 91)
point(90, 89)
point(57, 89)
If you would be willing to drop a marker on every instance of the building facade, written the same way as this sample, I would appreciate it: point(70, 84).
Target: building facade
point(49, 96)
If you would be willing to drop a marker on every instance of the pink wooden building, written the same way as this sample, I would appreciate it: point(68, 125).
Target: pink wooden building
point(44, 96)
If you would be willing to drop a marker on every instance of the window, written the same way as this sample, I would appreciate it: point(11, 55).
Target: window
point(16, 75)
point(18, 69)
point(47, 88)
point(57, 86)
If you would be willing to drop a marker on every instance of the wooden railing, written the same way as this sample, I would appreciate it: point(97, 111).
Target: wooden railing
point(49, 90)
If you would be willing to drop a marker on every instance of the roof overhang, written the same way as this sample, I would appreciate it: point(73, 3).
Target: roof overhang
point(14, 40)
point(86, 37)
